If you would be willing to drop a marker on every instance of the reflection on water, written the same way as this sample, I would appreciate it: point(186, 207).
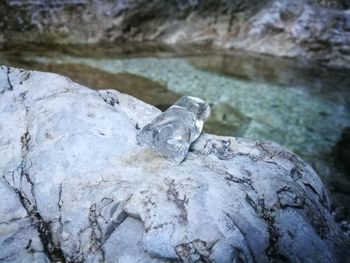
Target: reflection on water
point(301, 106)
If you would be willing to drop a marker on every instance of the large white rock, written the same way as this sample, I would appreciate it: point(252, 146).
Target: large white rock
point(75, 186)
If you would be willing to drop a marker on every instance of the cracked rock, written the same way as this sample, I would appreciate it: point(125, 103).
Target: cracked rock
point(75, 186)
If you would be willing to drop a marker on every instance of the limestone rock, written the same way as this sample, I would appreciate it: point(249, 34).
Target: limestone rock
point(312, 29)
point(298, 29)
point(76, 186)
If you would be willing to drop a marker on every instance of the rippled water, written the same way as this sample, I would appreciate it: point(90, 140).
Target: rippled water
point(305, 107)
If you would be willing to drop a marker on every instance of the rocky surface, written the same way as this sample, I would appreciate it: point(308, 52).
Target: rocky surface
point(307, 121)
point(75, 186)
point(312, 29)
point(297, 29)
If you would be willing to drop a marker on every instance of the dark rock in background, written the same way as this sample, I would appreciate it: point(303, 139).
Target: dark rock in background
point(306, 29)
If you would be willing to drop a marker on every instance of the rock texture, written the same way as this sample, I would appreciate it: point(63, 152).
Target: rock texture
point(75, 186)
point(311, 29)
point(298, 29)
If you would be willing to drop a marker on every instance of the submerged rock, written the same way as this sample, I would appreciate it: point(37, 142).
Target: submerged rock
point(76, 186)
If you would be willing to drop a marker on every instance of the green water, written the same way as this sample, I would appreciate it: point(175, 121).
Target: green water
point(302, 106)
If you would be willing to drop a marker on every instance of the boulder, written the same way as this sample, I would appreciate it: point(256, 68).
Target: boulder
point(75, 186)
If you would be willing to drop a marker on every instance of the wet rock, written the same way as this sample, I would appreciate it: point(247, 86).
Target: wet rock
point(78, 187)
point(226, 120)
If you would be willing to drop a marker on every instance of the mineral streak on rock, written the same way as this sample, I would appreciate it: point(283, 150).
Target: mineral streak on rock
point(173, 131)
point(76, 187)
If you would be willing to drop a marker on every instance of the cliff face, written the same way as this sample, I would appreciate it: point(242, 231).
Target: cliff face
point(301, 28)
point(75, 186)
point(89, 21)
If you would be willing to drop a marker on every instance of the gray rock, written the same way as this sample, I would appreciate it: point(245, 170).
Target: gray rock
point(311, 29)
point(298, 29)
point(76, 186)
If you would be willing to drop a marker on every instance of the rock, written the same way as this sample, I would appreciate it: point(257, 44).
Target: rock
point(78, 187)
point(310, 29)
point(134, 85)
point(298, 29)
point(82, 21)
point(227, 119)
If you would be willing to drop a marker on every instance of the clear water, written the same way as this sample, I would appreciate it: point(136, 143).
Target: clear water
point(305, 107)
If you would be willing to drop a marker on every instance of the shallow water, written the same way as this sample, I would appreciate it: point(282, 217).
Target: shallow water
point(303, 106)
